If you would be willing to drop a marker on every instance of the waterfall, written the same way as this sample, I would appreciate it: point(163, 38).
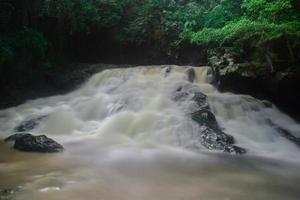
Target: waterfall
point(126, 118)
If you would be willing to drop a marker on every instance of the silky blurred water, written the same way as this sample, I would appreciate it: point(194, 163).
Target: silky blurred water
point(125, 138)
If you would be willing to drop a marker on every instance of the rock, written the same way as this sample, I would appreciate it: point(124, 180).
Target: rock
point(267, 104)
point(187, 91)
point(285, 133)
point(180, 96)
point(219, 141)
point(28, 125)
point(191, 74)
point(205, 117)
point(210, 135)
point(7, 194)
point(200, 99)
point(168, 70)
point(238, 150)
point(16, 136)
point(30, 143)
point(211, 76)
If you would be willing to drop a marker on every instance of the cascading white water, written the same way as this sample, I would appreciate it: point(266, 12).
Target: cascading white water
point(122, 129)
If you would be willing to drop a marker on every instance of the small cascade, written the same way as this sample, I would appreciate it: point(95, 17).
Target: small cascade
point(136, 106)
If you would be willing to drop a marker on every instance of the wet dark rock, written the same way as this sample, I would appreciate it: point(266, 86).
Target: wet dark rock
point(285, 133)
point(267, 104)
point(205, 118)
point(210, 135)
point(191, 74)
point(188, 91)
point(219, 141)
point(7, 194)
point(16, 136)
point(200, 99)
point(30, 143)
point(237, 149)
point(180, 96)
point(168, 70)
point(28, 125)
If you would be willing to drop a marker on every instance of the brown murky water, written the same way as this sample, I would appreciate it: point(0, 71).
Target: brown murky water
point(132, 174)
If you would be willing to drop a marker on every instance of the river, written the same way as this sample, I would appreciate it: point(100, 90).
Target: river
point(126, 139)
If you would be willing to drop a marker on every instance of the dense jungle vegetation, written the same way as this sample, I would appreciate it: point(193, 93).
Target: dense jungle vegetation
point(37, 35)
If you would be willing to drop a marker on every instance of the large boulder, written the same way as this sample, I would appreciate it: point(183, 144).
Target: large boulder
point(30, 143)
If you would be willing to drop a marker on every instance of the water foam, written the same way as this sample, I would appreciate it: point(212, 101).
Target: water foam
point(133, 107)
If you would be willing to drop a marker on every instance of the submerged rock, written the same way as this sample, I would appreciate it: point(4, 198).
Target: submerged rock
point(285, 133)
point(30, 143)
point(180, 94)
point(28, 125)
point(189, 92)
point(168, 70)
point(7, 194)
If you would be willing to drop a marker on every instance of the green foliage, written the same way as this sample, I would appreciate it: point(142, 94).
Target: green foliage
point(155, 20)
point(32, 41)
point(75, 15)
point(271, 10)
point(27, 43)
point(85, 15)
point(161, 21)
point(244, 30)
point(221, 14)
point(258, 28)
point(242, 25)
